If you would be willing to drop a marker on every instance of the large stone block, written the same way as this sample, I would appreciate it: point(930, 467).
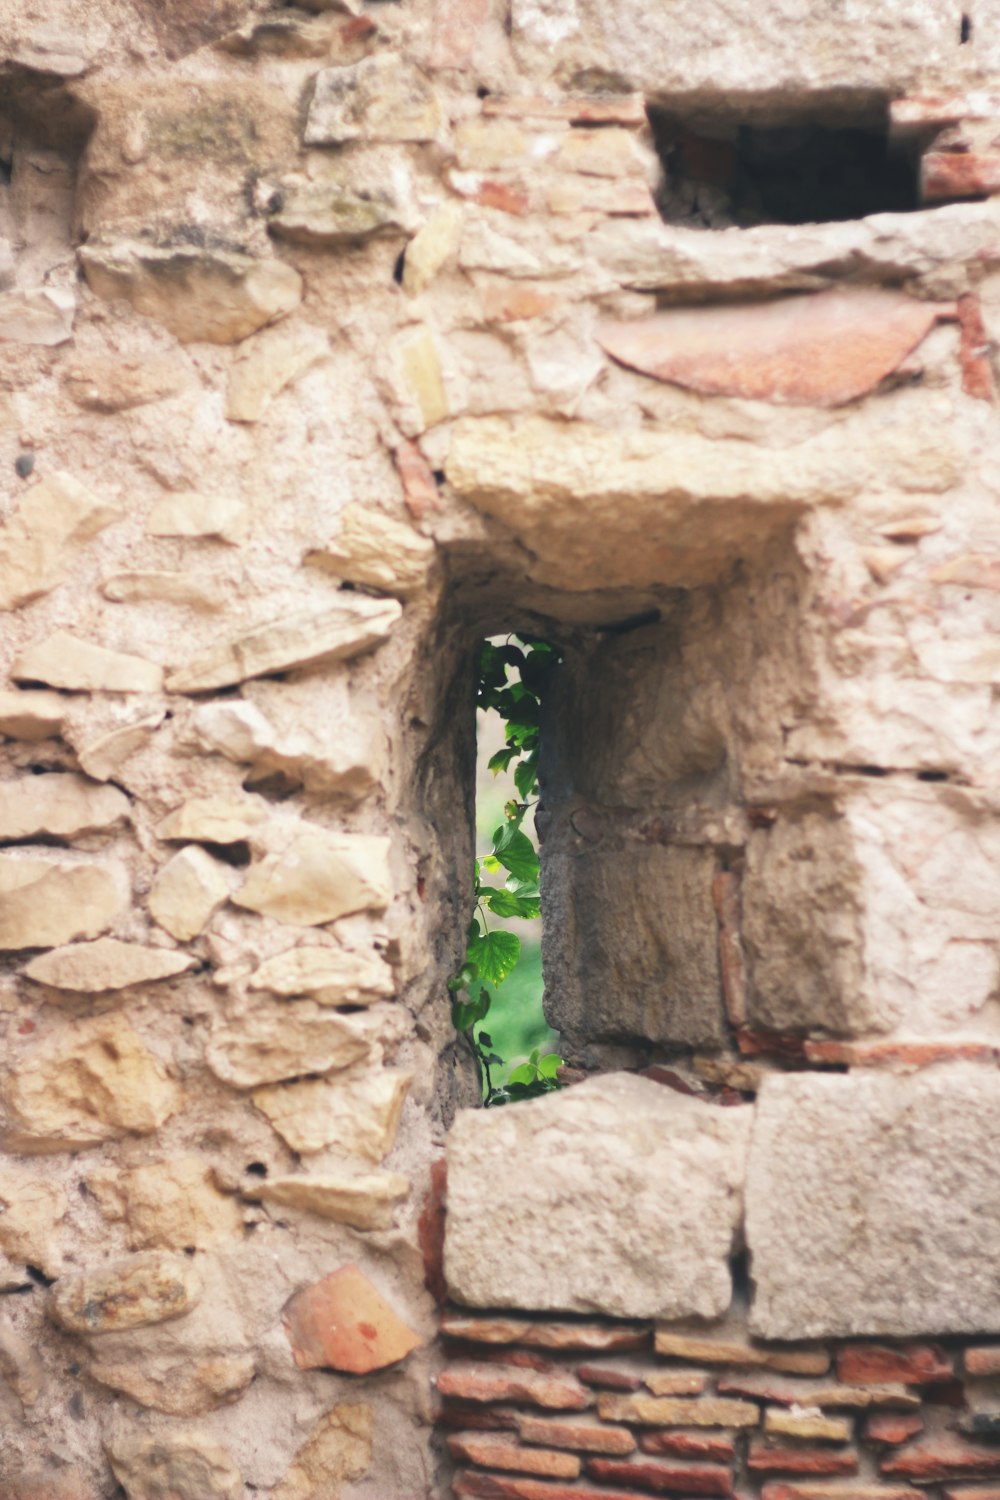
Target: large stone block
point(620, 1197)
point(873, 1204)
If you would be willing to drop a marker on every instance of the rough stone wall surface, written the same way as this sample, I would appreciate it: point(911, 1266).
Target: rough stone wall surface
point(332, 337)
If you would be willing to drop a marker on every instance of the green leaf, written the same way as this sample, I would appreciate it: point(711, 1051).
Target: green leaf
point(516, 852)
point(526, 774)
point(465, 1014)
point(524, 1074)
point(465, 976)
point(495, 954)
point(504, 903)
point(502, 759)
point(492, 865)
point(549, 1065)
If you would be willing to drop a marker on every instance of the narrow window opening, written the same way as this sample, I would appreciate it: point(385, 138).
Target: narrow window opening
point(965, 30)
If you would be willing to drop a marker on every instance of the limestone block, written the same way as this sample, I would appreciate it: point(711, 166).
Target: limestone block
point(48, 901)
point(64, 660)
point(319, 876)
point(87, 1081)
point(200, 296)
point(189, 589)
point(622, 1197)
point(275, 1041)
point(167, 1205)
point(337, 1450)
point(190, 513)
point(915, 1157)
point(214, 820)
point(42, 538)
point(39, 315)
point(152, 1287)
point(344, 1323)
point(660, 978)
point(331, 975)
point(105, 964)
point(266, 365)
point(338, 213)
point(416, 378)
point(101, 757)
point(188, 891)
point(353, 625)
point(365, 1200)
point(381, 98)
point(184, 1384)
point(119, 382)
point(377, 552)
point(433, 245)
point(175, 1466)
point(58, 805)
point(357, 1113)
point(31, 1210)
point(31, 714)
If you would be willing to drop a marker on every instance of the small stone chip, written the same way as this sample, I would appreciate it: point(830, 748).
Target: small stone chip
point(151, 1287)
point(667, 1411)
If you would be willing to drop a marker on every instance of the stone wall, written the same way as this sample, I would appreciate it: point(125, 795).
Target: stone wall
point(334, 336)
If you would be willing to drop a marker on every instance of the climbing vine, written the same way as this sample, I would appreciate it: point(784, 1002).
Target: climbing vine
point(510, 681)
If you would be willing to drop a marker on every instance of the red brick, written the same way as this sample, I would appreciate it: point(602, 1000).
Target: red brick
point(971, 1492)
point(430, 1231)
point(837, 1490)
point(508, 1487)
point(911, 1364)
point(502, 196)
point(344, 1323)
point(791, 1392)
point(893, 1427)
point(984, 1360)
point(765, 1458)
point(609, 1378)
point(712, 1446)
point(485, 1382)
point(571, 1432)
point(663, 1478)
point(959, 174)
point(518, 1359)
point(539, 1333)
point(897, 1054)
point(462, 1416)
point(769, 1043)
point(726, 899)
point(945, 1457)
point(621, 109)
point(973, 350)
point(420, 491)
point(504, 1451)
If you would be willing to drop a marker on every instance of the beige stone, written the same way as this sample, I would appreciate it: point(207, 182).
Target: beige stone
point(31, 1210)
point(356, 1113)
point(419, 379)
point(63, 660)
point(433, 245)
point(338, 213)
point(48, 901)
point(21, 1367)
point(267, 364)
point(188, 589)
point(807, 1423)
point(175, 1466)
point(191, 513)
point(210, 296)
point(611, 152)
point(87, 1081)
point(319, 876)
point(37, 315)
point(214, 820)
point(151, 1287)
point(332, 975)
point(365, 1200)
point(105, 964)
point(377, 552)
point(337, 1451)
point(119, 382)
point(31, 714)
point(339, 632)
point(41, 540)
point(102, 757)
point(722, 1351)
point(58, 806)
point(572, 1167)
point(275, 1041)
point(188, 891)
point(178, 1386)
point(167, 1205)
point(381, 98)
point(678, 1411)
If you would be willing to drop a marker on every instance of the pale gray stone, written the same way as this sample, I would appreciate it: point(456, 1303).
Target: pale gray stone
point(873, 1204)
point(619, 1196)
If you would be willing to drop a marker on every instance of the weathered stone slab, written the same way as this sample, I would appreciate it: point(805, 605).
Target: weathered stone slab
point(105, 964)
point(151, 1287)
point(37, 315)
point(678, 1411)
point(372, 549)
point(188, 891)
point(722, 1351)
point(167, 1205)
point(214, 820)
point(319, 877)
point(537, 1334)
point(188, 589)
point(200, 296)
point(339, 632)
point(365, 1200)
point(554, 1390)
point(919, 1153)
point(273, 1042)
point(58, 805)
point(807, 1423)
point(623, 1198)
point(48, 901)
point(31, 715)
point(193, 514)
point(266, 365)
point(31, 1212)
point(42, 538)
point(181, 1466)
point(574, 1432)
point(344, 1323)
point(818, 1393)
point(331, 975)
point(502, 1450)
point(357, 1112)
point(337, 1450)
point(381, 98)
point(64, 660)
point(338, 213)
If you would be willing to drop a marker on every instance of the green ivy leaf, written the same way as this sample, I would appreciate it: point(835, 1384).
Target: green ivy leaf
point(502, 759)
point(526, 774)
point(549, 1065)
point(495, 954)
point(504, 903)
point(516, 852)
point(523, 1074)
point(465, 1014)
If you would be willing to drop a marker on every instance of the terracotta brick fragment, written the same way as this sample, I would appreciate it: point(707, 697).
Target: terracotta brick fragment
point(984, 1360)
point(509, 1487)
point(768, 1458)
point(669, 1411)
point(540, 1333)
point(943, 1457)
point(807, 1423)
point(343, 1323)
point(610, 1377)
point(712, 1446)
point(503, 196)
point(514, 304)
point(768, 1043)
point(504, 1451)
point(420, 491)
point(676, 1382)
point(473, 1416)
point(572, 1432)
point(911, 1364)
point(959, 174)
point(971, 1492)
point(807, 1489)
point(973, 350)
point(520, 1359)
point(893, 1427)
point(663, 1478)
point(620, 109)
point(803, 1360)
point(818, 1393)
point(897, 1054)
point(484, 1382)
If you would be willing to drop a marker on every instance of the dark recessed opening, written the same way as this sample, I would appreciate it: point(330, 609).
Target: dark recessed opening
point(719, 175)
point(965, 30)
